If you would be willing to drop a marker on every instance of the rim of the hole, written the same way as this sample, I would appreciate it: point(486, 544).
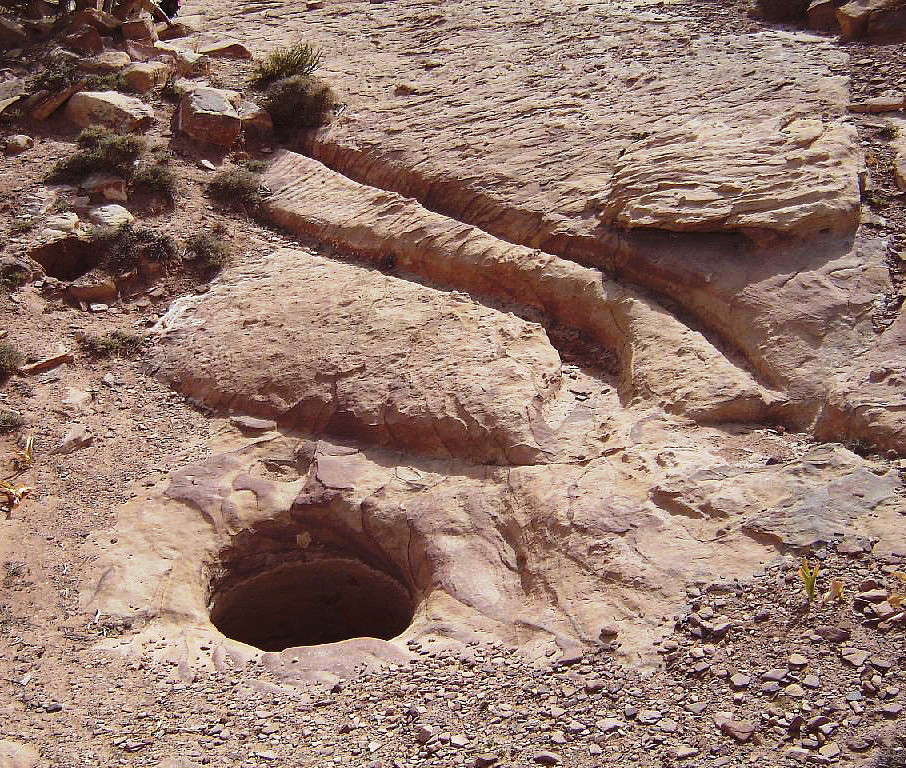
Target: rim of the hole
point(244, 607)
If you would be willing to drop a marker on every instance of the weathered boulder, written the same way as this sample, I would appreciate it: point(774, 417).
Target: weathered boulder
point(17, 144)
point(877, 20)
point(182, 26)
point(822, 15)
point(375, 357)
point(112, 215)
point(142, 77)
point(49, 103)
point(106, 62)
point(106, 186)
point(109, 108)
point(95, 286)
point(141, 28)
point(12, 33)
point(103, 22)
point(209, 115)
point(191, 64)
point(85, 39)
point(257, 126)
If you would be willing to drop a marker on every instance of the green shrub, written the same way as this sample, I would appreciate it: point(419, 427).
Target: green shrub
point(157, 180)
point(236, 188)
point(210, 249)
point(783, 10)
point(299, 102)
point(122, 247)
point(10, 359)
point(299, 59)
point(9, 421)
point(114, 344)
point(101, 150)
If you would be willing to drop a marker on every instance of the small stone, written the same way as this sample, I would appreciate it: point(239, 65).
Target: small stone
point(892, 710)
point(854, 656)
point(798, 660)
point(684, 752)
point(829, 750)
point(776, 674)
point(795, 690)
point(547, 758)
point(459, 741)
point(609, 724)
point(252, 424)
point(740, 730)
point(832, 634)
point(485, 760)
point(811, 681)
point(649, 716)
point(17, 144)
point(739, 681)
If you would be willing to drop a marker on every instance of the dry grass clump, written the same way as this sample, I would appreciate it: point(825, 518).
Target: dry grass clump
point(10, 421)
point(123, 247)
point(10, 359)
point(100, 151)
point(236, 188)
point(299, 102)
point(156, 180)
point(298, 59)
point(114, 344)
point(210, 249)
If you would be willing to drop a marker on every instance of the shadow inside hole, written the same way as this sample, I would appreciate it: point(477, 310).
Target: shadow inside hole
point(311, 603)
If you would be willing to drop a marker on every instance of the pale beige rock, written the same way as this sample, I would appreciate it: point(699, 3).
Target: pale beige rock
point(14, 754)
point(107, 186)
point(106, 62)
point(191, 64)
point(144, 76)
point(111, 109)
point(310, 199)
point(463, 544)
point(141, 29)
point(112, 215)
point(713, 177)
point(376, 357)
point(228, 48)
point(883, 20)
point(209, 115)
point(880, 104)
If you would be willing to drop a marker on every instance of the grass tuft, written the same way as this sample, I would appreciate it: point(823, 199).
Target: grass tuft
point(100, 150)
point(210, 249)
point(157, 180)
point(123, 247)
point(114, 344)
point(10, 359)
point(236, 188)
point(298, 59)
point(10, 421)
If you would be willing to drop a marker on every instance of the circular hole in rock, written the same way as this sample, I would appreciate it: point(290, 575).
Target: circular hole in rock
point(311, 603)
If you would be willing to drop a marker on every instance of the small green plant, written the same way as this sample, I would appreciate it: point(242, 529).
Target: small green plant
point(236, 188)
point(12, 276)
point(255, 166)
point(9, 421)
point(299, 102)
point(124, 246)
point(58, 73)
point(10, 359)
point(809, 577)
point(157, 180)
point(114, 344)
point(210, 249)
point(101, 150)
point(110, 81)
point(298, 59)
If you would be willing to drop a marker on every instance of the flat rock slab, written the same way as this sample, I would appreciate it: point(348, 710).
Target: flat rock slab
point(328, 347)
point(111, 109)
point(209, 115)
